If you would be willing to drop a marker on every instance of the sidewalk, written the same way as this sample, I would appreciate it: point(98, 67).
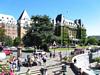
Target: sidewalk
point(49, 71)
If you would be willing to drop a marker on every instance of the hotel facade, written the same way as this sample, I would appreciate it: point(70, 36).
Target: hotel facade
point(68, 29)
point(9, 24)
point(63, 27)
point(13, 27)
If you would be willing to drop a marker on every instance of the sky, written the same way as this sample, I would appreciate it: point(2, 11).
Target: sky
point(86, 10)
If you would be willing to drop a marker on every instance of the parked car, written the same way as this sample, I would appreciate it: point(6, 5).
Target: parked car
point(14, 49)
point(7, 51)
point(40, 52)
point(77, 51)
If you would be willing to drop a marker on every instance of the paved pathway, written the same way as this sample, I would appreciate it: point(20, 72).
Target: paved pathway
point(49, 62)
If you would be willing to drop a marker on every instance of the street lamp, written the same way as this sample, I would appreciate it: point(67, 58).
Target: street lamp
point(54, 45)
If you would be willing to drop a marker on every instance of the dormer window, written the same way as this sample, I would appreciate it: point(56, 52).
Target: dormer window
point(58, 22)
point(7, 18)
point(11, 18)
point(2, 17)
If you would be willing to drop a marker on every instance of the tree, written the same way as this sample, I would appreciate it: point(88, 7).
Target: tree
point(92, 40)
point(8, 41)
point(16, 41)
point(99, 42)
point(2, 34)
point(40, 32)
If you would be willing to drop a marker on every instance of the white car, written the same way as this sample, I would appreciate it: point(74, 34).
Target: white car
point(40, 52)
point(13, 48)
point(2, 56)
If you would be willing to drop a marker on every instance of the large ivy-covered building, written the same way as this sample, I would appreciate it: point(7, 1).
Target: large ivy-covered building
point(69, 30)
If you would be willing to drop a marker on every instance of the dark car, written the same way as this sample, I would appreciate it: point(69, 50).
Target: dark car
point(77, 51)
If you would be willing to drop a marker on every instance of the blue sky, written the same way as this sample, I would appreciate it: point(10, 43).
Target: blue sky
point(87, 10)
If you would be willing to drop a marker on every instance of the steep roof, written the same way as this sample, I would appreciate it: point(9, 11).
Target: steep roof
point(24, 15)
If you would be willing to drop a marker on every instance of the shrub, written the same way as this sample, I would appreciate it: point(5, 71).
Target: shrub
point(97, 59)
point(28, 51)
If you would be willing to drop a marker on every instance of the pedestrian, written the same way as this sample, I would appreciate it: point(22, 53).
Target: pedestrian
point(50, 54)
point(28, 72)
point(53, 55)
point(18, 64)
point(44, 60)
point(29, 60)
point(60, 55)
point(74, 60)
point(11, 72)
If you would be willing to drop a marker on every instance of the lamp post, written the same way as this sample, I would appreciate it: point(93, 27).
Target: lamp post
point(54, 44)
point(19, 51)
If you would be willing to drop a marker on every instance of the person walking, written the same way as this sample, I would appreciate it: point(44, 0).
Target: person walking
point(28, 72)
point(18, 64)
point(44, 60)
point(29, 60)
point(60, 56)
point(11, 72)
point(50, 54)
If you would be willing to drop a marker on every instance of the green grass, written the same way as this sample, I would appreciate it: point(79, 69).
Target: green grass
point(64, 49)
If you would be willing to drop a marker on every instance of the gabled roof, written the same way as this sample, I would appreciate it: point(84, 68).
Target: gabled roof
point(24, 15)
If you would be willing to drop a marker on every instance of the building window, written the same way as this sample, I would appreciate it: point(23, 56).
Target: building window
point(11, 18)
point(2, 17)
point(8, 26)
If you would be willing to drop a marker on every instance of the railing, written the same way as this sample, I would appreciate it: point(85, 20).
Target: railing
point(83, 63)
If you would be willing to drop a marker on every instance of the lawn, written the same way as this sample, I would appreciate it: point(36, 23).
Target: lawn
point(64, 49)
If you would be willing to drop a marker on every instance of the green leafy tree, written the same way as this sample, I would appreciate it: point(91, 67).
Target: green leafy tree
point(2, 35)
point(16, 41)
point(8, 41)
point(92, 40)
point(99, 42)
point(40, 32)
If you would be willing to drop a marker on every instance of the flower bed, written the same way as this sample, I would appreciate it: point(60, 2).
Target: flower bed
point(4, 67)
